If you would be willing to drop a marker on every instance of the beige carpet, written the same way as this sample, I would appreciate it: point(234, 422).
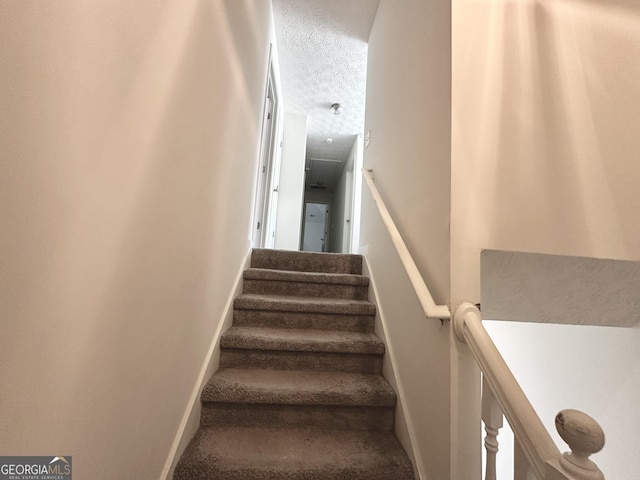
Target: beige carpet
point(299, 394)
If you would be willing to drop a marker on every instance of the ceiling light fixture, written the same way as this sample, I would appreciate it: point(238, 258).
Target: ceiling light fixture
point(329, 140)
point(337, 108)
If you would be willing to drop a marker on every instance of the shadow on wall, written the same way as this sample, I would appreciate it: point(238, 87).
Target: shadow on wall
point(548, 133)
point(135, 132)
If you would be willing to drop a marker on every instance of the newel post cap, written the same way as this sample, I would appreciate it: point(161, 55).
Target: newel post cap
point(585, 437)
point(458, 318)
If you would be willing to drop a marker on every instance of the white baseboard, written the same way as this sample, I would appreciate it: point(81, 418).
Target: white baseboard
point(404, 415)
point(191, 418)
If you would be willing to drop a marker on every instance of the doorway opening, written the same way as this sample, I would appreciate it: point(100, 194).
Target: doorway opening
point(338, 185)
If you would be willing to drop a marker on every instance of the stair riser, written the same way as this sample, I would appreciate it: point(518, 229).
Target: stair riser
point(305, 289)
point(303, 305)
point(283, 360)
point(316, 321)
point(271, 339)
point(249, 472)
point(307, 262)
point(335, 417)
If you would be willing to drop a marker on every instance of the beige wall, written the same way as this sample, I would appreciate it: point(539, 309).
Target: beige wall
point(545, 131)
point(417, 352)
point(408, 114)
point(129, 137)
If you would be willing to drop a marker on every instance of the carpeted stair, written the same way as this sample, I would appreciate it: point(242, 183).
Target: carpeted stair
point(299, 394)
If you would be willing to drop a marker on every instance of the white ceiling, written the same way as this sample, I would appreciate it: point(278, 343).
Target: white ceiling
point(323, 60)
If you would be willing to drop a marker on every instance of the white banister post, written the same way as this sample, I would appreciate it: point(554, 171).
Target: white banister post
point(584, 437)
point(492, 417)
point(521, 466)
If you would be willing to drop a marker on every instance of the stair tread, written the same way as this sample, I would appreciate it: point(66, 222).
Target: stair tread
point(306, 261)
point(298, 387)
point(302, 340)
point(304, 304)
point(296, 276)
point(248, 453)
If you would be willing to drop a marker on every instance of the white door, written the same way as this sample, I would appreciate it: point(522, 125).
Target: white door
point(315, 228)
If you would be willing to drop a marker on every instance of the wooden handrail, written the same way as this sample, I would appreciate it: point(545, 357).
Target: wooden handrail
point(429, 306)
point(534, 438)
point(544, 459)
point(538, 447)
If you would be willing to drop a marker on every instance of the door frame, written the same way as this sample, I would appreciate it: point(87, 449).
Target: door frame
point(268, 174)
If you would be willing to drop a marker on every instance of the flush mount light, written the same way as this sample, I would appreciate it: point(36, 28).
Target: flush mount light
point(329, 140)
point(337, 108)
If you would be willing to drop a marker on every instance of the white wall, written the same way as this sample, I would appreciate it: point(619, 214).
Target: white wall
point(593, 369)
point(341, 208)
point(544, 150)
point(356, 212)
point(128, 167)
point(408, 114)
point(291, 192)
point(417, 353)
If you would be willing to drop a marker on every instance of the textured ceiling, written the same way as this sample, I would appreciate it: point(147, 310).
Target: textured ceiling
point(534, 287)
point(322, 46)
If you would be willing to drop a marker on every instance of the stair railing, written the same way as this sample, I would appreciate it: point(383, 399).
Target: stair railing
point(536, 455)
point(429, 306)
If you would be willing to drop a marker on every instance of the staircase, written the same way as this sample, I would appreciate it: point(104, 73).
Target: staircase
point(299, 394)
